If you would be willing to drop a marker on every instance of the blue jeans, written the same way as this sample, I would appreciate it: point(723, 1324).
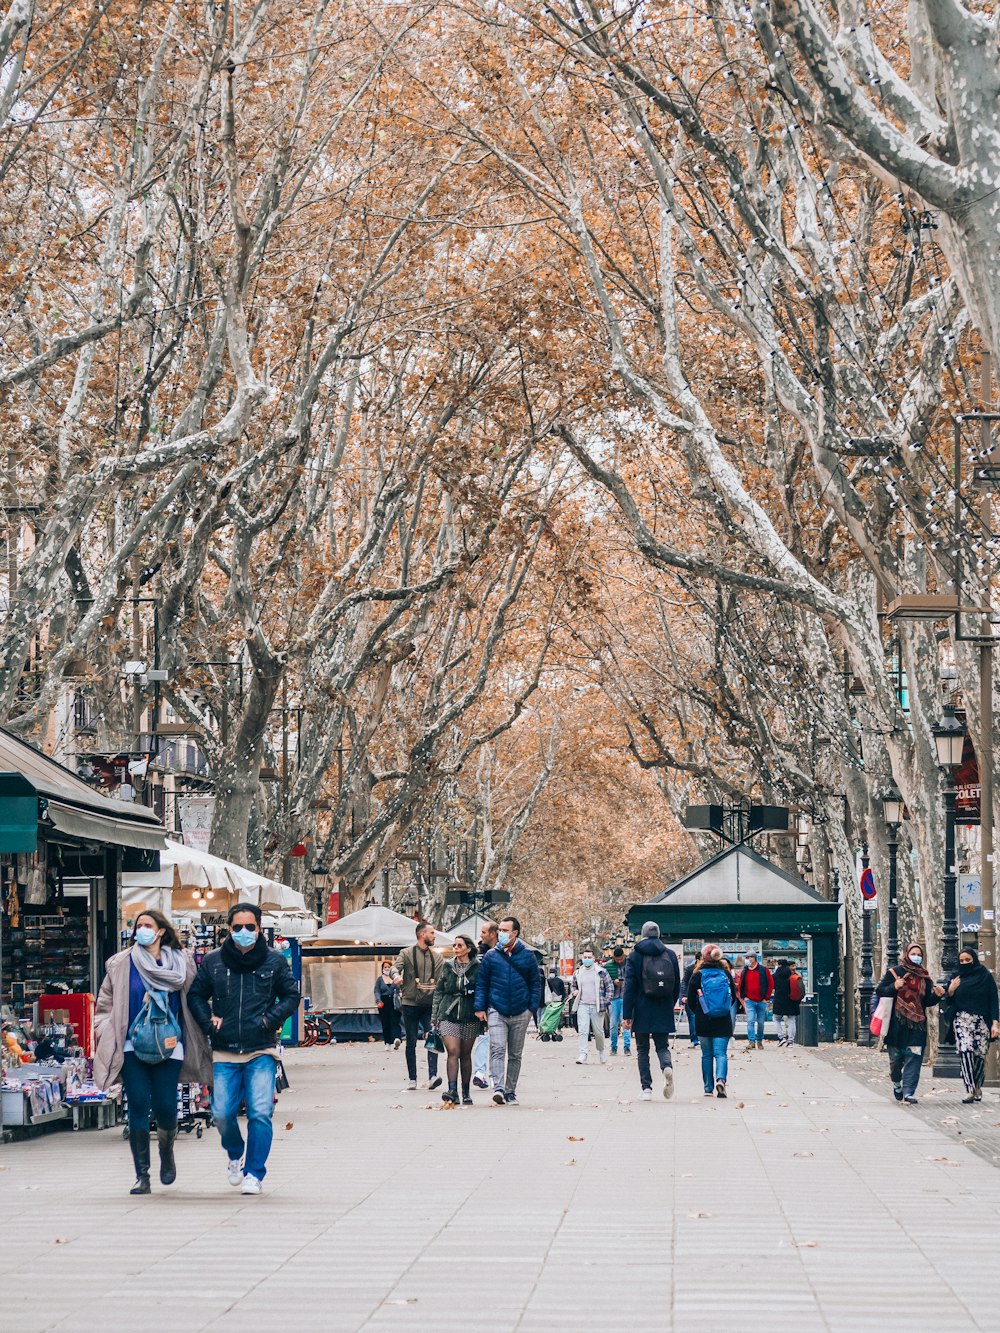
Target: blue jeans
point(151, 1090)
point(691, 1028)
point(252, 1083)
point(714, 1050)
point(616, 1022)
point(756, 1013)
point(481, 1055)
point(904, 1067)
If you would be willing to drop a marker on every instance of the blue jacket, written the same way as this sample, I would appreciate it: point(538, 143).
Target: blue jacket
point(509, 983)
point(647, 1013)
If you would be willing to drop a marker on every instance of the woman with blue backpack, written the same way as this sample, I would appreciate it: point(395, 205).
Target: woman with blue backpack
point(711, 997)
point(146, 1036)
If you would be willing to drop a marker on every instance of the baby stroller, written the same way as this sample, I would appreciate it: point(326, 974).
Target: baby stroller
point(548, 1028)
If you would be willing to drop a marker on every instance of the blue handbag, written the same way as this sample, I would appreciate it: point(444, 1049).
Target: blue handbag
point(155, 1032)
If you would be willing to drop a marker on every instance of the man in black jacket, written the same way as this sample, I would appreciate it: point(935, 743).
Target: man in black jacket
point(652, 981)
point(240, 998)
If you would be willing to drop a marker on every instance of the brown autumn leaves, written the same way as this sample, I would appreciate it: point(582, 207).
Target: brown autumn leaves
point(348, 334)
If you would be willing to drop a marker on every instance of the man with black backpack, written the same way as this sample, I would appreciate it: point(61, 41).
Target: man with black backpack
point(650, 990)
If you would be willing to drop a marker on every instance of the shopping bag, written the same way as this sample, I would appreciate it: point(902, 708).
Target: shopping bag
point(881, 1017)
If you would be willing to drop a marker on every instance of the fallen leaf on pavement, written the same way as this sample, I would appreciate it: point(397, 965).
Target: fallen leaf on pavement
point(740, 1106)
point(571, 1138)
point(802, 1154)
point(806, 1244)
point(61, 1240)
point(701, 1214)
point(768, 1094)
point(571, 1162)
point(290, 1124)
point(946, 1160)
point(408, 1300)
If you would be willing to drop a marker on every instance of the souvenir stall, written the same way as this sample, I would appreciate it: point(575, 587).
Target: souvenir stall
point(63, 850)
point(341, 963)
point(740, 900)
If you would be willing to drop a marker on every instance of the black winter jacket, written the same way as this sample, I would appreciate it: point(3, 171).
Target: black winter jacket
point(253, 994)
point(782, 1003)
point(646, 1012)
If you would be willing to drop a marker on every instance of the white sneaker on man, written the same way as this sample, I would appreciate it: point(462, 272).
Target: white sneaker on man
point(235, 1172)
point(646, 1095)
point(412, 1085)
point(668, 1082)
point(397, 1043)
point(604, 1057)
point(251, 1185)
point(582, 1060)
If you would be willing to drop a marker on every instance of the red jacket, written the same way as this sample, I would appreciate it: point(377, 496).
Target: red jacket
point(756, 983)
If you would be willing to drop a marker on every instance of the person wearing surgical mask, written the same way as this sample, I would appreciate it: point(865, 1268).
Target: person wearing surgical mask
point(242, 995)
point(912, 991)
point(153, 970)
point(592, 991)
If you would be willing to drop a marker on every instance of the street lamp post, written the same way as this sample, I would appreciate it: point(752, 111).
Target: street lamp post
point(866, 986)
point(892, 810)
point(949, 739)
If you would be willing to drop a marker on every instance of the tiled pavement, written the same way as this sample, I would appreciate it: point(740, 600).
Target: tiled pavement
point(807, 1201)
point(940, 1100)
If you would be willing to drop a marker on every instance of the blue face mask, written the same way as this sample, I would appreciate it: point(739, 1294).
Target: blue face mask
point(503, 938)
point(145, 935)
point(244, 937)
point(587, 962)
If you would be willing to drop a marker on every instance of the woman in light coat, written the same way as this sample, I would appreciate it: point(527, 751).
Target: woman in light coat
point(154, 962)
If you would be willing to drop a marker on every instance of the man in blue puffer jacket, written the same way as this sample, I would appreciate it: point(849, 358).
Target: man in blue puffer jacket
point(508, 992)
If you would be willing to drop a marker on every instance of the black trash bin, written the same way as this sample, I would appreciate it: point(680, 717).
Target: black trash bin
point(807, 1033)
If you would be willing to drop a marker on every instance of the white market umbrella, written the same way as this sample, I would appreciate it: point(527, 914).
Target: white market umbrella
point(377, 925)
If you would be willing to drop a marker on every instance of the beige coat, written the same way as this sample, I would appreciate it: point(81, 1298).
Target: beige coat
point(111, 1027)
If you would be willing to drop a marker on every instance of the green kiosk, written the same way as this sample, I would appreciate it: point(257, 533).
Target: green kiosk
point(740, 900)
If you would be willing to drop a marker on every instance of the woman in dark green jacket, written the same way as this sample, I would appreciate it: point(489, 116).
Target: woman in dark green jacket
point(453, 1013)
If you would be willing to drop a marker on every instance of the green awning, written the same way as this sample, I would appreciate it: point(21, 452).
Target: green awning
point(18, 814)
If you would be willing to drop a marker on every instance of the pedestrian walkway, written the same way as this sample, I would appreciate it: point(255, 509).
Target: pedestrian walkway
point(807, 1200)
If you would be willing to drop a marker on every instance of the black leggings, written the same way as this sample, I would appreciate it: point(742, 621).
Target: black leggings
point(387, 1017)
point(151, 1089)
point(459, 1056)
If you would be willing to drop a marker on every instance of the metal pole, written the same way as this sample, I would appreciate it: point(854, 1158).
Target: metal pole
point(892, 944)
point(987, 928)
point(948, 1064)
point(866, 988)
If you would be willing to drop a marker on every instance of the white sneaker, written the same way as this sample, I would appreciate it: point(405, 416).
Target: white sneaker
point(582, 1060)
point(251, 1185)
point(412, 1085)
point(397, 1043)
point(604, 1057)
point(646, 1095)
point(668, 1082)
point(235, 1173)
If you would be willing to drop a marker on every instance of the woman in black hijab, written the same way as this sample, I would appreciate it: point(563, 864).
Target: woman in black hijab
point(972, 991)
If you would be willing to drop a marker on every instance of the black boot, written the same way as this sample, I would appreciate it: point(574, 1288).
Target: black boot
point(138, 1140)
point(452, 1094)
point(466, 1095)
point(168, 1168)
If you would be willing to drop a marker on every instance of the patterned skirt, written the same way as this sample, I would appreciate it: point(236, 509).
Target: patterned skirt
point(463, 1031)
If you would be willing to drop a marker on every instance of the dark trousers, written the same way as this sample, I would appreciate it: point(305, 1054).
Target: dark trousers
point(390, 1027)
point(416, 1023)
point(662, 1044)
point(151, 1089)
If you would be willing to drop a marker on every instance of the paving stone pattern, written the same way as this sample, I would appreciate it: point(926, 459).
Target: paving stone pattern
point(939, 1100)
point(806, 1201)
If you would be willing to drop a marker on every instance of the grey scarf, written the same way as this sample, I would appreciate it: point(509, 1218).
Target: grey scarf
point(171, 974)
